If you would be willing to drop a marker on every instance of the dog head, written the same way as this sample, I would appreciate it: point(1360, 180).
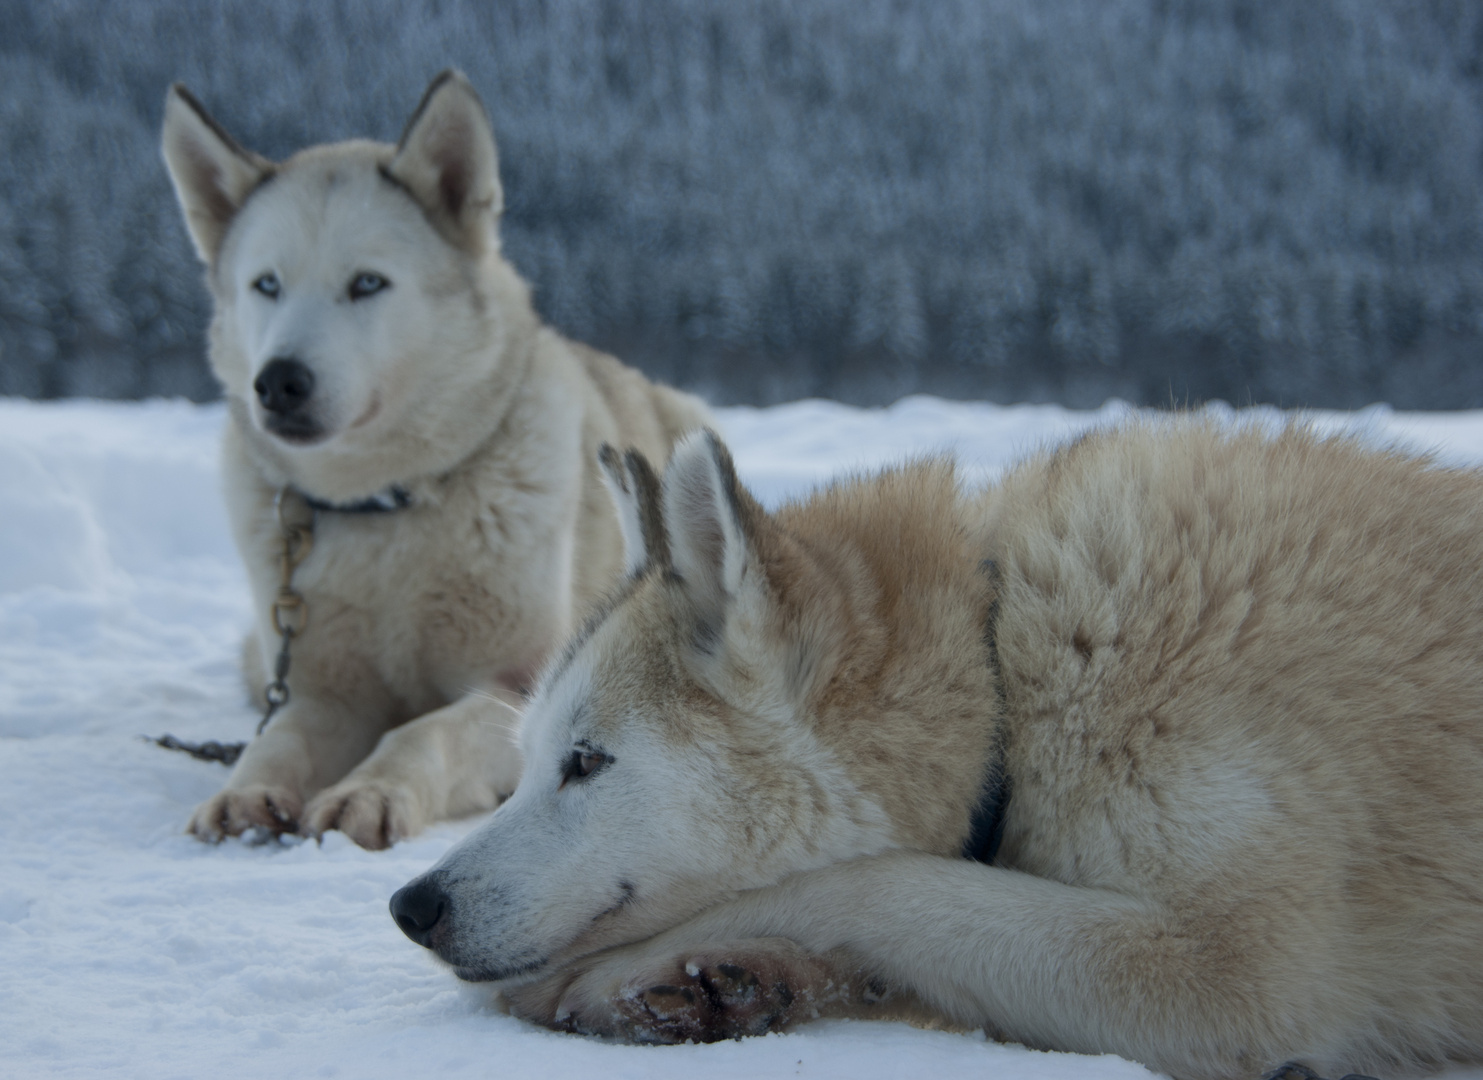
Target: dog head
point(670, 754)
point(362, 308)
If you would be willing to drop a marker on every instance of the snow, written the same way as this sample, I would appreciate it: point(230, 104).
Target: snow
point(131, 950)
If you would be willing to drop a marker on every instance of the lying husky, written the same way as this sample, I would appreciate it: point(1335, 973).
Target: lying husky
point(386, 373)
point(1215, 696)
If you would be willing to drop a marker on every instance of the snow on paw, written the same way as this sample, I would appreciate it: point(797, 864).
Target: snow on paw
point(233, 811)
point(725, 992)
point(668, 1013)
point(372, 813)
point(751, 1000)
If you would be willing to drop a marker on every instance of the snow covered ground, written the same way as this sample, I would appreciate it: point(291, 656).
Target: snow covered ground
point(128, 949)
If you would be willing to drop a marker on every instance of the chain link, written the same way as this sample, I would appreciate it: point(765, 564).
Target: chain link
point(290, 610)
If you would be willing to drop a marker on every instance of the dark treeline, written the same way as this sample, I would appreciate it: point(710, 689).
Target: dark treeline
point(767, 199)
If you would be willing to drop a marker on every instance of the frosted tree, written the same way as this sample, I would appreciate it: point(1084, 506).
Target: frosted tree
point(769, 198)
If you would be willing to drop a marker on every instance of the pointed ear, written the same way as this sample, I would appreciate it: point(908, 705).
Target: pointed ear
point(631, 482)
point(447, 160)
point(213, 175)
point(710, 519)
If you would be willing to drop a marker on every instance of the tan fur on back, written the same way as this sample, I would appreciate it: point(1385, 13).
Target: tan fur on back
point(1244, 672)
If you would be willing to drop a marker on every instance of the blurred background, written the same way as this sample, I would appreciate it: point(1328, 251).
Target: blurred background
point(1166, 201)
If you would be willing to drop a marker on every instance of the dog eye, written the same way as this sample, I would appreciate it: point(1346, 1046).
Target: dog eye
point(268, 285)
point(583, 762)
point(367, 284)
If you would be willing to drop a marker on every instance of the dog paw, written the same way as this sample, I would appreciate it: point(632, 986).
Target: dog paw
point(372, 813)
point(712, 1001)
point(724, 992)
point(236, 810)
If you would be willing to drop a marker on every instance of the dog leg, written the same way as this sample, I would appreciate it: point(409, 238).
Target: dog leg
point(1043, 962)
point(310, 743)
point(451, 762)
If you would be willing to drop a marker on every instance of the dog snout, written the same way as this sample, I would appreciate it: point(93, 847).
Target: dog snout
point(284, 385)
point(418, 907)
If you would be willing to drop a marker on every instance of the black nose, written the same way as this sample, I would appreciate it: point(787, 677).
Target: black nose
point(284, 385)
point(418, 907)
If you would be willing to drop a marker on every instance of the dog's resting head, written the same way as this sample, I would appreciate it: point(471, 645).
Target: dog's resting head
point(717, 728)
point(366, 328)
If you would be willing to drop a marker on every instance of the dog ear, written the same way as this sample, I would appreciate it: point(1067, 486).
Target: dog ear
point(710, 519)
point(447, 160)
point(212, 173)
point(631, 482)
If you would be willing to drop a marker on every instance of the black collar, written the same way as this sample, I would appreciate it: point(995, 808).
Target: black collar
point(383, 502)
point(986, 830)
point(986, 827)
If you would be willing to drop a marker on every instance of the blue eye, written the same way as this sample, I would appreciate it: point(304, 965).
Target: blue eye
point(367, 284)
point(268, 285)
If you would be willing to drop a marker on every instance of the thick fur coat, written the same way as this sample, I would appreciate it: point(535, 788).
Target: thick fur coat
point(1234, 680)
point(370, 340)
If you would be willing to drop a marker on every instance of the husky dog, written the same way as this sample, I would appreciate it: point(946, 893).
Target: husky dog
point(378, 354)
point(1216, 696)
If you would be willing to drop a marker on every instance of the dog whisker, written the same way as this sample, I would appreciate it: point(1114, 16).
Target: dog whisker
point(509, 729)
point(487, 696)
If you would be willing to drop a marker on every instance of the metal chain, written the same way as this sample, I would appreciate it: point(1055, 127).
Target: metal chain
point(290, 613)
point(290, 610)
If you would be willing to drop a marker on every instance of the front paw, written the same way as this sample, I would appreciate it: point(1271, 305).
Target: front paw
point(373, 813)
point(723, 992)
point(707, 1002)
point(233, 811)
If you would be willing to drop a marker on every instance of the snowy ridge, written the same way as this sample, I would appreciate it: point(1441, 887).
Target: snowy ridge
point(131, 950)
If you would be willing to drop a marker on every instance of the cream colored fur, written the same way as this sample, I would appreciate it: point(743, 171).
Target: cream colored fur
point(425, 625)
point(1239, 680)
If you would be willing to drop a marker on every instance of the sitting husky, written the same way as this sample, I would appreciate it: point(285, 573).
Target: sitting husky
point(392, 390)
point(1168, 744)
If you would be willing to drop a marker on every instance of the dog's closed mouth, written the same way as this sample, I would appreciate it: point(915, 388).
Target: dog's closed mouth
point(626, 894)
point(500, 974)
point(295, 432)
